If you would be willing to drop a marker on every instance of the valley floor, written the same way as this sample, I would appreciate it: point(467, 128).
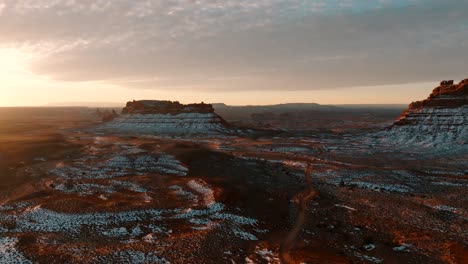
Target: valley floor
point(125, 199)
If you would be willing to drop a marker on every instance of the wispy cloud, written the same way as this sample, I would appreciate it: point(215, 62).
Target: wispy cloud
point(240, 44)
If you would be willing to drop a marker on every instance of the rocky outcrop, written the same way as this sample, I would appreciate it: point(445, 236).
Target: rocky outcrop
point(168, 118)
point(440, 120)
point(447, 95)
point(106, 115)
point(165, 107)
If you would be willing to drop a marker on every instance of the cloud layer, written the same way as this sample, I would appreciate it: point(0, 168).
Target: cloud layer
point(232, 45)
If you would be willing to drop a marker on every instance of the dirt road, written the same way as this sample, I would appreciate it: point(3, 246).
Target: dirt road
point(301, 200)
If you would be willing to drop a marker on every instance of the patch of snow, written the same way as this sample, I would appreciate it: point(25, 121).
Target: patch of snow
point(450, 184)
point(132, 256)
point(159, 230)
point(37, 219)
point(261, 231)
point(199, 221)
point(369, 247)
point(447, 208)
point(116, 232)
point(118, 166)
point(368, 258)
point(170, 165)
point(136, 231)
point(241, 220)
point(8, 252)
point(84, 188)
point(382, 187)
point(6, 207)
point(129, 186)
point(288, 149)
point(244, 235)
point(403, 248)
point(346, 207)
point(191, 213)
point(168, 124)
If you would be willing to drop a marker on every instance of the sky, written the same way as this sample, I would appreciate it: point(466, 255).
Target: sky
point(233, 51)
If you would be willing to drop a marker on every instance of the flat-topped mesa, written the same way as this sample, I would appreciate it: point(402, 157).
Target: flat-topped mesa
point(152, 117)
point(165, 107)
point(440, 120)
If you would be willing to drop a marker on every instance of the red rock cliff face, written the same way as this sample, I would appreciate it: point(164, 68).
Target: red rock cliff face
point(165, 107)
point(440, 120)
point(447, 95)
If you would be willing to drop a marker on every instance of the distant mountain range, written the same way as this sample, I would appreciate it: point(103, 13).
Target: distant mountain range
point(86, 104)
point(238, 113)
point(277, 107)
point(287, 107)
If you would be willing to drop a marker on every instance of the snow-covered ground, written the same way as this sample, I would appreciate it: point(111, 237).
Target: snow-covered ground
point(104, 174)
point(118, 165)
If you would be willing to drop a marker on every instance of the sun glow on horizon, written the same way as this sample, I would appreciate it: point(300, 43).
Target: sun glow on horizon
point(12, 64)
point(15, 68)
point(19, 86)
